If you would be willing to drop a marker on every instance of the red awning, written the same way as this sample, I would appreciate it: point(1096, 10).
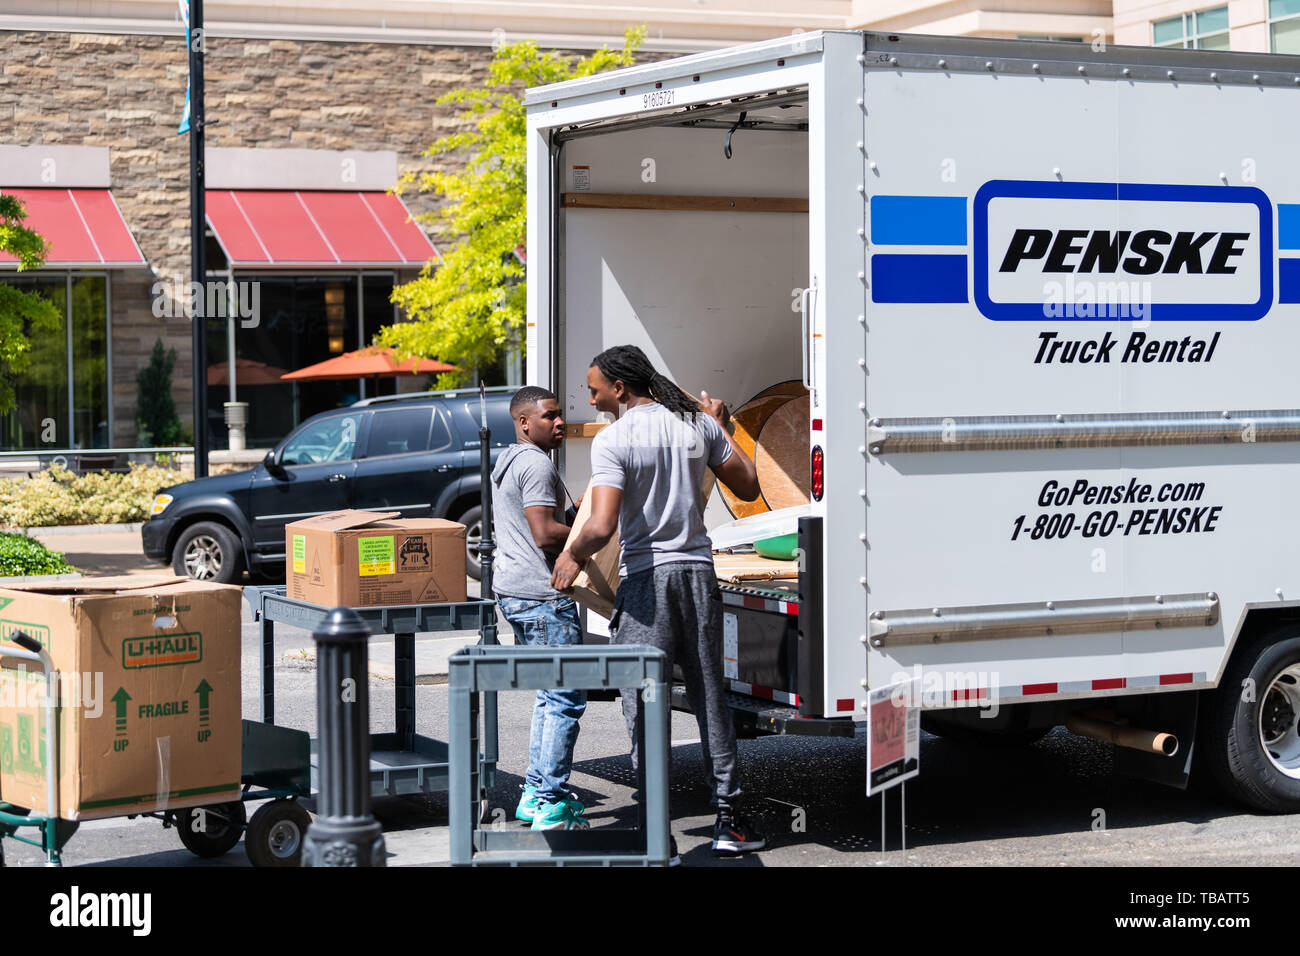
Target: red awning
point(84, 227)
point(278, 228)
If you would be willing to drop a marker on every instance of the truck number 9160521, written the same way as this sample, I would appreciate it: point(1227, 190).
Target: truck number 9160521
point(656, 99)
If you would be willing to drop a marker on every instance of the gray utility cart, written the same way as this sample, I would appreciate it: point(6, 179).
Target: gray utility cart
point(401, 762)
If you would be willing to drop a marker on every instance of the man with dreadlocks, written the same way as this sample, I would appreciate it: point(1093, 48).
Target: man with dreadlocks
point(646, 472)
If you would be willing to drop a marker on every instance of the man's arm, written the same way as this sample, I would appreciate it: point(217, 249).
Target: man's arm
point(595, 534)
point(737, 472)
point(549, 534)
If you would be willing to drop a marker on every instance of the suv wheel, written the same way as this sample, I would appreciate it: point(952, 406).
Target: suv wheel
point(473, 522)
point(208, 551)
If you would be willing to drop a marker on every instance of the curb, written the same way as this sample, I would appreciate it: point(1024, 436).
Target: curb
point(39, 578)
point(56, 529)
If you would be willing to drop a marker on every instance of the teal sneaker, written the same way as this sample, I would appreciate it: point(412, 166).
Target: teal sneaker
point(564, 815)
point(528, 805)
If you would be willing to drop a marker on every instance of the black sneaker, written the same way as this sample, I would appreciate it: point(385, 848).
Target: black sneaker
point(732, 833)
point(673, 858)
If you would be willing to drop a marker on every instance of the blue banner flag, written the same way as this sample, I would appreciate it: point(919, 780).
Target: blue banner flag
point(185, 18)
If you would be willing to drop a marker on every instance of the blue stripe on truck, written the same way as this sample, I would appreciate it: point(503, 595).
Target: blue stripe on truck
point(1288, 226)
point(919, 278)
point(918, 220)
point(1288, 280)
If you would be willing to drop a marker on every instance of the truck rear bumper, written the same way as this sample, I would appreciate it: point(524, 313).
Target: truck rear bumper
point(764, 717)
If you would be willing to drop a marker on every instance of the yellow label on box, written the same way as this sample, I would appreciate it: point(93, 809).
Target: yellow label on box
point(299, 554)
point(377, 556)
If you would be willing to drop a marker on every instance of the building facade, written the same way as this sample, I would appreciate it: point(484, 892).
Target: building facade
point(315, 111)
point(1076, 20)
point(1261, 26)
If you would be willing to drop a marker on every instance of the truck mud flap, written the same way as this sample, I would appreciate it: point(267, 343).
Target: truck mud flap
point(765, 717)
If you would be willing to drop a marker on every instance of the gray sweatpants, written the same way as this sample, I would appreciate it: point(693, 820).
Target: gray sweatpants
point(678, 609)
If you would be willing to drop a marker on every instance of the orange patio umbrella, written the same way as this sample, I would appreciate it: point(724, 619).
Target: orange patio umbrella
point(370, 362)
point(247, 372)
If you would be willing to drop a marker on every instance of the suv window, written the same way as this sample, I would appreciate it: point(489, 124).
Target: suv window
point(399, 431)
point(329, 439)
point(499, 420)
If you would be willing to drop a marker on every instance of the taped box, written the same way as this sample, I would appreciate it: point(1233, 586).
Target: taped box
point(148, 695)
point(596, 586)
point(369, 558)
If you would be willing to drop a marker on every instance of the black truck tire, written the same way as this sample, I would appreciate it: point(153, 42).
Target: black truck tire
point(1250, 727)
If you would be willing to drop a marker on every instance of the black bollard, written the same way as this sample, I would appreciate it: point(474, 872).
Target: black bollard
point(344, 833)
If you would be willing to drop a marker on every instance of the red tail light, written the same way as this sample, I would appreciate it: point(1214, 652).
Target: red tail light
point(818, 472)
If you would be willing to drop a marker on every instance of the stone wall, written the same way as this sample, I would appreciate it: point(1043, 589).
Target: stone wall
point(127, 93)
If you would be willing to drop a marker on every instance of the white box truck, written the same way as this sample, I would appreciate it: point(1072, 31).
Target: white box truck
point(1045, 299)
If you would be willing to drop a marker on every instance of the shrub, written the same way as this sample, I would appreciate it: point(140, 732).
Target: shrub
point(157, 412)
point(55, 496)
point(21, 556)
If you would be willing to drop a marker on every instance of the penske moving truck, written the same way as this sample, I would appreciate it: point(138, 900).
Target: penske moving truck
point(1044, 302)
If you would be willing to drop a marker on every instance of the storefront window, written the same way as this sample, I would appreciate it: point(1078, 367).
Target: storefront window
point(89, 362)
point(301, 320)
point(42, 418)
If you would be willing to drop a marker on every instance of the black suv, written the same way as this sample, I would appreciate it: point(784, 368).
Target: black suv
point(417, 454)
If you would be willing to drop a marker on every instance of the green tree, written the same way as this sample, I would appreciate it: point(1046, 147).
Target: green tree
point(470, 305)
point(21, 313)
point(156, 413)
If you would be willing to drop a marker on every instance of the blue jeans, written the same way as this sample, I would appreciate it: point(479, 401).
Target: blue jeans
point(556, 712)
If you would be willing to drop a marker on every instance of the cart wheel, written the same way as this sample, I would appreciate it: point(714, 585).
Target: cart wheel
point(220, 828)
point(276, 834)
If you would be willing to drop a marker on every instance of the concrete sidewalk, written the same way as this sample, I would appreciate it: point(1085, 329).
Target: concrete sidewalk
point(100, 549)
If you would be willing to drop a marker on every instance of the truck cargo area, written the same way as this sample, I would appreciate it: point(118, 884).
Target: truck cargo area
point(687, 235)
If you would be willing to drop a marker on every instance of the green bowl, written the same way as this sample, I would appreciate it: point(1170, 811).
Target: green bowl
point(782, 547)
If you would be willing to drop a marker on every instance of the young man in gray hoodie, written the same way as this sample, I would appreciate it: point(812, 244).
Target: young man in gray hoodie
point(531, 529)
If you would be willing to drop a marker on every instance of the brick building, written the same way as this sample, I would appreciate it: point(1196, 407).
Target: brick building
point(366, 111)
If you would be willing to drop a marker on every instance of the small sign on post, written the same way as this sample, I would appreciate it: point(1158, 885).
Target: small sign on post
point(893, 736)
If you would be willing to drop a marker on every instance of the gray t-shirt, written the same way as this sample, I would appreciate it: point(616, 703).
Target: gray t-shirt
point(658, 460)
point(523, 477)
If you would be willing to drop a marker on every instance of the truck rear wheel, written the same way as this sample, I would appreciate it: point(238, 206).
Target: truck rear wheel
point(1251, 729)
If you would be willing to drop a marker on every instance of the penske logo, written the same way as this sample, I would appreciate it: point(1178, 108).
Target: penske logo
point(1053, 251)
point(1050, 252)
point(1145, 253)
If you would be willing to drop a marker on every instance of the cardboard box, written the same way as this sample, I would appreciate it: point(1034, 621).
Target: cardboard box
point(149, 695)
point(368, 558)
point(596, 586)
